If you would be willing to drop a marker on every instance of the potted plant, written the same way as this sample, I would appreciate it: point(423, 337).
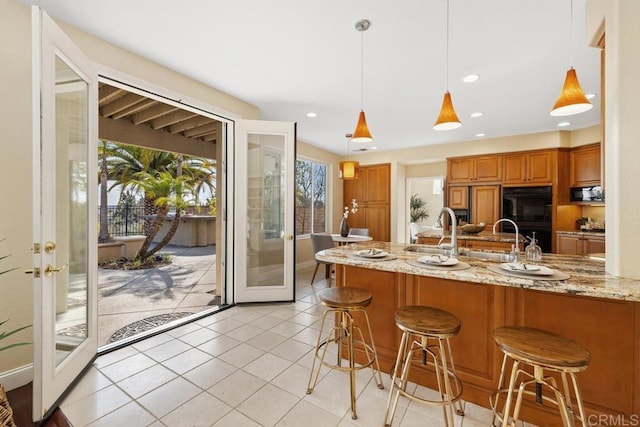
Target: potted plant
point(418, 209)
point(6, 413)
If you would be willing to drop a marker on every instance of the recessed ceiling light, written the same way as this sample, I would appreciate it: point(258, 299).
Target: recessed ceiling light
point(311, 114)
point(590, 95)
point(478, 114)
point(470, 78)
point(564, 124)
point(374, 148)
point(479, 135)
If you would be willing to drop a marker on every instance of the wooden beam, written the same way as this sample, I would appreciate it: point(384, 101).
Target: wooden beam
point(124, 132)
point(172, 118)
point(121, 104)
point(188, 124)
point(134, 109)
point(212, 137)
point(199, 131)
point(152, 113)
point(107, 94)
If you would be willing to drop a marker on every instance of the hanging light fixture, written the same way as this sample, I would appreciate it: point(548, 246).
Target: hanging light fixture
point(362, 134)
point(572, 99)
point(349, 169)
point(447, 119)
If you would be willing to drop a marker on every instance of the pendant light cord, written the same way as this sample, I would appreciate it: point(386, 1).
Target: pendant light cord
point(361, 70)
point(571, 34)
point(447, 46)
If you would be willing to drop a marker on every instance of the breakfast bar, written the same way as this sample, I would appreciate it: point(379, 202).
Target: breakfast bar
point(569, 295)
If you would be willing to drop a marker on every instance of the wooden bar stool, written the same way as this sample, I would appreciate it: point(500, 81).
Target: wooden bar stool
point(342, 302)
point(431, 329)
point(542, 351)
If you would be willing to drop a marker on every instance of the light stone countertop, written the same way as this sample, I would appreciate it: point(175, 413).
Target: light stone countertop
point(587, 277)
point(486, 236)
point(582, 233)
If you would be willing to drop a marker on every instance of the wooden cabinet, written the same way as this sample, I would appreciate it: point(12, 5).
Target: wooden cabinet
point(372, 191)
point(474, 169)
point(528, 168)
point(458, 197)
point(485, 204)
point(584, 165)
point(578, 244)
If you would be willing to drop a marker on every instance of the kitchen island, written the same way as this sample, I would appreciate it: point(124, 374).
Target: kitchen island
point(597, 310)
point(485, 240)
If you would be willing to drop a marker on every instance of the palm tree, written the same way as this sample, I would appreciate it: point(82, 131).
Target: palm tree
point(166, 191)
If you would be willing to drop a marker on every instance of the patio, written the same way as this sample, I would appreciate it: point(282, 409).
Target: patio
point(133, 301)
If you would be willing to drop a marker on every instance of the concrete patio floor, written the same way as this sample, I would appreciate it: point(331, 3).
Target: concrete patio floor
point(126, 297)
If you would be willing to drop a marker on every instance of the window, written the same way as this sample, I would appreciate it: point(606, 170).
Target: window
point(311, 197)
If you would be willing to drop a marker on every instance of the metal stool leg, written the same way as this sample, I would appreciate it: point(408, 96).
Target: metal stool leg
point(394, 393)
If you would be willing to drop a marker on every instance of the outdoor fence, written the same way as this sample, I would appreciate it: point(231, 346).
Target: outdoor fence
point(125, 220)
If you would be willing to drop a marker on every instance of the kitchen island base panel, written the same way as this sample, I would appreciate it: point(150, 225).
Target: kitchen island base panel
point(609, 328)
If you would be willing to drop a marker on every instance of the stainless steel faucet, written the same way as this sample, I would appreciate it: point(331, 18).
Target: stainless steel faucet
point(516, 246)
point(454, 226)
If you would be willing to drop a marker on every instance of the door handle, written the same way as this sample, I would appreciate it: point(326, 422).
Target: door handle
point(289, 237)
point(35, 271)
point(50, 269)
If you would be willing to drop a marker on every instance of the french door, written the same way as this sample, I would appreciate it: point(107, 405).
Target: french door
point(64, 223)
point(264, 248)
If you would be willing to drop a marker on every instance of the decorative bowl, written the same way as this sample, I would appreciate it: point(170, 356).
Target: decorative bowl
point(472, 228)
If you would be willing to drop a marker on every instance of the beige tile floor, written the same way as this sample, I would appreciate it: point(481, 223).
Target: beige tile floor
point(245, 366)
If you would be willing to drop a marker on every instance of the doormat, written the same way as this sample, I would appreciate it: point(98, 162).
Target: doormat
point(144, 325)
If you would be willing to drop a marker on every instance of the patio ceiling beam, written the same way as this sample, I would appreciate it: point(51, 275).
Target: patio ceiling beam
point(121, 104)
point(188, 124)
point(172, 118)
point(152, 113)
point(212, 137)
point(107, 94)
point(124, 132)
point(134, 108)
point(199, 131)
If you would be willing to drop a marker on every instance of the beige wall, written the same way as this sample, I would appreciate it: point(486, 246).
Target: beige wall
point(15, 145)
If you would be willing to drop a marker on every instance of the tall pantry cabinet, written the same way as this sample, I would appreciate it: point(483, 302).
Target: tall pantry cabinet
point(372, 191)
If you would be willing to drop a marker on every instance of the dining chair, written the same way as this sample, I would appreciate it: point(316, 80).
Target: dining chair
point(320, 242)
point(358, 231)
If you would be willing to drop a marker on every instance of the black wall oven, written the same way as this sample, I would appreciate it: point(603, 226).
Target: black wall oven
point(530, 208)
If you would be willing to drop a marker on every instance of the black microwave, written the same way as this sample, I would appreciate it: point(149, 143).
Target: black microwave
point(587, 194)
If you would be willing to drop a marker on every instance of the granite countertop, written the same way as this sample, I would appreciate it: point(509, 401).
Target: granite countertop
point(582, 233)
point(587, 276)
point(486, 236)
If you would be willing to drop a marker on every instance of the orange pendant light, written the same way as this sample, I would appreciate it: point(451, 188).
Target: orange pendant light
point(572, 99)
point(349, 169)
point(362, 133)
point(448, 119)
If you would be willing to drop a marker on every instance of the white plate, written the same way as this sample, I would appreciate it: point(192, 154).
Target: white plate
point(526, 268)
point(372, 253)
point(438, 260)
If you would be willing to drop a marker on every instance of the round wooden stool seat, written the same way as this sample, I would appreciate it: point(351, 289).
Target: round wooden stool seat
point(345, 297)
point(426, 320)
point(541, 347)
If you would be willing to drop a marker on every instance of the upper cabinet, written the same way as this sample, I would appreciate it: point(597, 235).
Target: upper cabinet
point(585, 165)
point(458, 197)
point(528, 168)
point(475, 169)
point(372, 191)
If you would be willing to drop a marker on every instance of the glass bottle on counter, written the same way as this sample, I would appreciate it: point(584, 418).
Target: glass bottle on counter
point(533, 253)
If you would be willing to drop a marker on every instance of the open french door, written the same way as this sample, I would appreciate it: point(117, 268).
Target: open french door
point(64, 224)
point(264, 247)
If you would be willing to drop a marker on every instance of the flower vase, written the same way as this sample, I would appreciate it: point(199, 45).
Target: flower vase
point(344, 227)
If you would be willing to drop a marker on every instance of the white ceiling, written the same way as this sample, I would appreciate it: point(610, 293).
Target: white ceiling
point(290, 57)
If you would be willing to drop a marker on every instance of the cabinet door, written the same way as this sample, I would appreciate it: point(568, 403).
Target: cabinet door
point(377, 183)
point(354, 189)
point(594, 245)
point(485, 204)
point(569, 244)
point(459, 197)
point(488, 168)
point(460, 170)
point(377, 221)
point(585, 166)
point(540, 168)
point(515, 168)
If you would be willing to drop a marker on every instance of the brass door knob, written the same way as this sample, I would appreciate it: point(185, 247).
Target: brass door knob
point(50, 269)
